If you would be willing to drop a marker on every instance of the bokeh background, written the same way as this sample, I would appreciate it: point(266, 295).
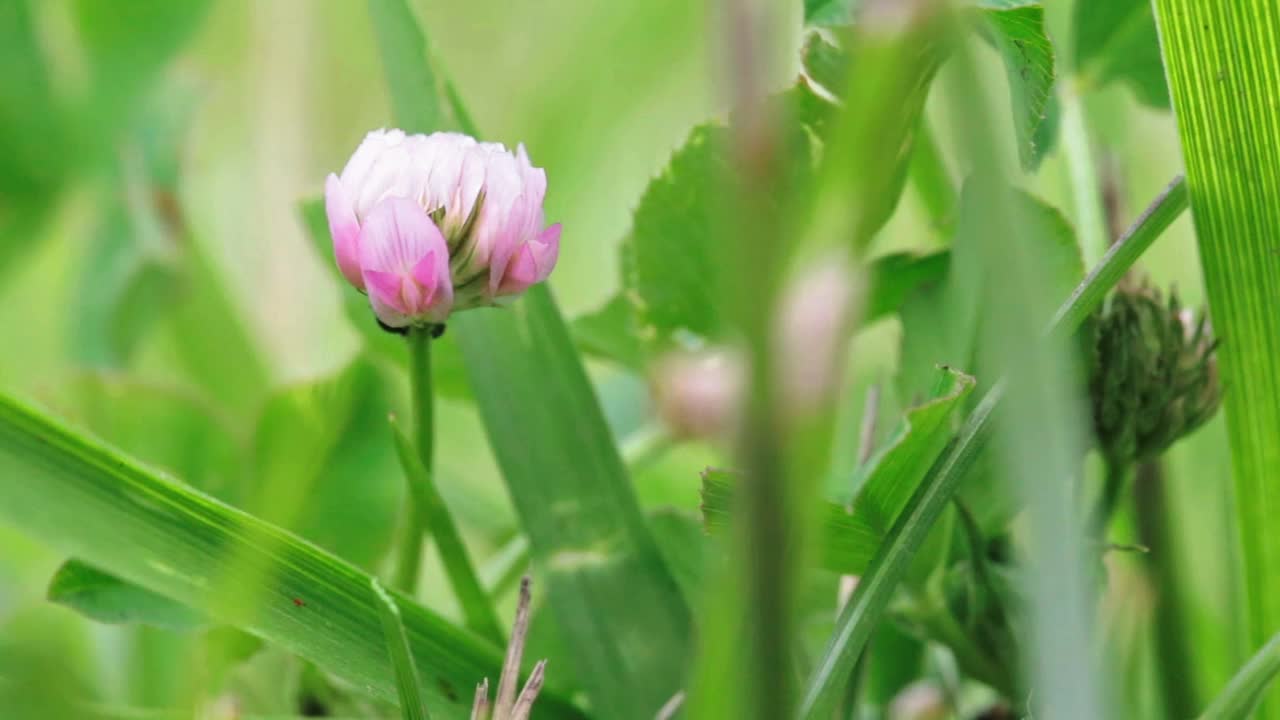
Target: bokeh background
point(192, 168)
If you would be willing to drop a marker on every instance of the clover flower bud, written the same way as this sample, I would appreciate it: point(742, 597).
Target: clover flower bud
point(433, 224)
point(919, 701)
point(812, 331)
point(697, 394)
point(1154, 375)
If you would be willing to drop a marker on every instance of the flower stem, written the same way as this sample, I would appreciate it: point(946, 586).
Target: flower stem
point(1117, 476)
point(1174, 657)
point(427, 509)
point(414, 540)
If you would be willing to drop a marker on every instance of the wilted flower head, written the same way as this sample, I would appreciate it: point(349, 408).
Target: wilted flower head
point(1154, 377)
point(432, 224)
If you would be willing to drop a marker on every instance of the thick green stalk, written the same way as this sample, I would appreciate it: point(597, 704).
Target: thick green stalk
point(1224, 70)
point(890, 563)
point(1113, 483)
point(428, 512)
point(1174, 656)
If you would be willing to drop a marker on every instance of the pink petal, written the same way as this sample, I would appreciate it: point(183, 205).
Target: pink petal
point(345, 230)
point(386, 295)
point(533, 263)
point(431, 275)
point(397, 235)
point(406, 263)
point(387, 288)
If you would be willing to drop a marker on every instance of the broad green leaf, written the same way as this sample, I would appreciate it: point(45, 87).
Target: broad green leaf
point(669, 266)
point(941, 320)
point(888, 65)
point(1017, 31)
point(1116, 40)
point(891, 279)
point(326, 446)
point(97, 504)
point(610, 333)
point(448, 377)
point(826, 62)
point(829, 12)
point(105, 598)
point(1223, 69)
point(890, 476)
point(670, 275)
point(613, 595)
point(848, 539)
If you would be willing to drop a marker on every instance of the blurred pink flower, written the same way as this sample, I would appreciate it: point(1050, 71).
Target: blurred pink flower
point(479, 201)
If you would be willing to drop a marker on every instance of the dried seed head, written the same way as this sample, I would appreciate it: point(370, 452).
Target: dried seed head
point(507, 706)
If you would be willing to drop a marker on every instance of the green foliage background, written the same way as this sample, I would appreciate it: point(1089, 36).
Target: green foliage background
point(159, 288)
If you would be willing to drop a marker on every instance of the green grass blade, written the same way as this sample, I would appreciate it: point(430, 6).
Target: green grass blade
point(890, 564)
point(1223, 72)
point(412, 706)
point(90, 501)
point(475, 603)
point(1241, 695)
point(616, 601)
point(105, 598)
point(415, 90)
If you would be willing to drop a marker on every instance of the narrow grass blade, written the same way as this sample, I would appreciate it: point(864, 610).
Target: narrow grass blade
point(415, 90)
point(1223, 71)
point(475, 603)
point(412, 706)
point(931, 497)
point(92, 502)
point(1241, 695)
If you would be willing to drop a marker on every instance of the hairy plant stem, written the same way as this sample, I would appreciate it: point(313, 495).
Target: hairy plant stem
point(427, 511)
point(1175, 671)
